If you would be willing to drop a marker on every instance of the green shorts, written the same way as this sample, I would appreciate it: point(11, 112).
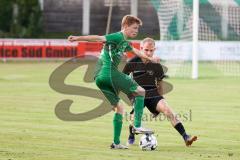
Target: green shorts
point(114, 82)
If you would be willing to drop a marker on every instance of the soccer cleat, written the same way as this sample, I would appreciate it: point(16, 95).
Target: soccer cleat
point(141, 130)
point(118, 146)
point(189, 140)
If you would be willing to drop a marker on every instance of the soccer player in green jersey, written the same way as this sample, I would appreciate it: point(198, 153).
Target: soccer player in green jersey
point(110, 80)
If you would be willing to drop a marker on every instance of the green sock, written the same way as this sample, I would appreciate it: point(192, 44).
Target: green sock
point(117, 127)
point(138, 108)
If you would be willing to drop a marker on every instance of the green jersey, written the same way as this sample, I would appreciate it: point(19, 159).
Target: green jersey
point(112, 52)
point(108, 79)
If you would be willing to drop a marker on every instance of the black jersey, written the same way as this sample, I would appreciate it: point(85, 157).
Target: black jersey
point(145, 74)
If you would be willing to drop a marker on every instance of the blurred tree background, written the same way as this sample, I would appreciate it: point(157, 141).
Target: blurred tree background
point(20, 19)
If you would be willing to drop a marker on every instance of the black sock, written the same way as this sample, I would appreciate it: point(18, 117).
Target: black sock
point(179, 127)
point(130, 130)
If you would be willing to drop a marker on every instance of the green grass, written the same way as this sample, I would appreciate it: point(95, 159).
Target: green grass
point(29, 129)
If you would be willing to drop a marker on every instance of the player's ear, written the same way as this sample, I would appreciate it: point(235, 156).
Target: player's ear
point(124, 26)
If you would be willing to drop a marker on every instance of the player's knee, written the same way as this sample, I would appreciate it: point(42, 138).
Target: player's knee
point(119, 108)
point(162, 107)
point(168, 112)
point(164, 110)
point(140, 91)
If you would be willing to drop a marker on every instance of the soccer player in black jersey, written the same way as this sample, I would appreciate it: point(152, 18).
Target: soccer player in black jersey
point(149, 76)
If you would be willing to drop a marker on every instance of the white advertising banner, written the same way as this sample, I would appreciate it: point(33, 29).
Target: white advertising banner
point(208, 51)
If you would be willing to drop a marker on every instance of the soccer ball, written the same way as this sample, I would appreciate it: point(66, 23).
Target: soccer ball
point(148, 142)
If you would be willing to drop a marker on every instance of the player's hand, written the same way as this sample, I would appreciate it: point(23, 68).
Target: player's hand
point(155, 59)
point(72, 38)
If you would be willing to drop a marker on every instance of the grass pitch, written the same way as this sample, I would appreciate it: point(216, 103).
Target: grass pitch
point(210, 107)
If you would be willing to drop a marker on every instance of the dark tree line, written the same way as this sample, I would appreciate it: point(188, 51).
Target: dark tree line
point(20, 19)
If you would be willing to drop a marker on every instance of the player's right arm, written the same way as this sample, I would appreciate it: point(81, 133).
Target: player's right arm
point(89, 38)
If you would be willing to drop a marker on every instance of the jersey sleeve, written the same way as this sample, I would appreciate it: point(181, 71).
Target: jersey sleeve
point(129, 47)
point(114, 37)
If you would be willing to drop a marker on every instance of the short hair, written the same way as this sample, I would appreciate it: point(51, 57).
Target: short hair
point(149, 40)
point(130, 19)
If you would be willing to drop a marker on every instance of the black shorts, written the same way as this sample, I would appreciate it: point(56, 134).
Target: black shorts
point(151, 104)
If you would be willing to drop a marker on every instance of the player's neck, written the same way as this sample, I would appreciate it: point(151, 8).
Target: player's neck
point(144, 61)
point(124, 34)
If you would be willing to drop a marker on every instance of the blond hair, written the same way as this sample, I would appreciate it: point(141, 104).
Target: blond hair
point(147, 40)
point(130, 19)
